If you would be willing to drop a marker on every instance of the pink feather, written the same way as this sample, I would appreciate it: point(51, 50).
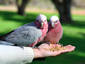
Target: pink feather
point(54, 34)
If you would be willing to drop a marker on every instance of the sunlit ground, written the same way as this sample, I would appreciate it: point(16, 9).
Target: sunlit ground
point(73, 34)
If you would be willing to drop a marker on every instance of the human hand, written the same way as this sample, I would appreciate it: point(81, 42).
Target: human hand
point(44, 50)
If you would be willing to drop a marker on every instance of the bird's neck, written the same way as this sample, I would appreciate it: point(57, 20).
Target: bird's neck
point(44, 30)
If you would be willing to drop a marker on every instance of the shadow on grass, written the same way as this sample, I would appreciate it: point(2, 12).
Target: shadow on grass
point(77, 24)
point(13, 16)
point(80, 24)
point(61, 59)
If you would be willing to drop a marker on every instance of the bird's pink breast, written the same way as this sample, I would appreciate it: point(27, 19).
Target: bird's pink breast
point(54, 34)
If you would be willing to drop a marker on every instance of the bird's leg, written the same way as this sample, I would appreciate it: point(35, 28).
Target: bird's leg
point(52, 43)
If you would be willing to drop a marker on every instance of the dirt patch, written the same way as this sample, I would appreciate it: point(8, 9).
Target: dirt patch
point(80, 12)
point(13, 8)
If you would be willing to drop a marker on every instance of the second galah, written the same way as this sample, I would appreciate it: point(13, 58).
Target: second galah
point(55, 31)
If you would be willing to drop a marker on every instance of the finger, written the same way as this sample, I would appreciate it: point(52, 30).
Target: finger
point(68, 48)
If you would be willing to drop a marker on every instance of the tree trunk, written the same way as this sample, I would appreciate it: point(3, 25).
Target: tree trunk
point(21, 7)
point(64, 7)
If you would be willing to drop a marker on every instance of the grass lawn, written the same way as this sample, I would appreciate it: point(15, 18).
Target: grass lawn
point(73, 34)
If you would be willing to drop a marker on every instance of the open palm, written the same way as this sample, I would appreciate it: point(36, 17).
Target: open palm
point(44, 48)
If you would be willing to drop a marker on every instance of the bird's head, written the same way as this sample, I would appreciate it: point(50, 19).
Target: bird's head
point(41, 19)
point(54, 20)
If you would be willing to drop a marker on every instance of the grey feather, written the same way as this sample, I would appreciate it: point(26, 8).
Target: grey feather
point(24, 35)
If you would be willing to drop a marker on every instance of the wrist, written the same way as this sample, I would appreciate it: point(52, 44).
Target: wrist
point(37, 53)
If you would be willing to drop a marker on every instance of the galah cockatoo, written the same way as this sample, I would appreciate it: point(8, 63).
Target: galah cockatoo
point(29, 34)
point(55, 30)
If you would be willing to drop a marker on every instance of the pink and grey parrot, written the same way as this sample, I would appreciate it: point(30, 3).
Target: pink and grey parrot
point(28, 34)
point(55, 31)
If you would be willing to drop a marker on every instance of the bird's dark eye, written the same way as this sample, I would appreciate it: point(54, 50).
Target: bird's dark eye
point(55, 22)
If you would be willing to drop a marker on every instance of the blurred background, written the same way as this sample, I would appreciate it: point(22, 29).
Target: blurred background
point(15, 13)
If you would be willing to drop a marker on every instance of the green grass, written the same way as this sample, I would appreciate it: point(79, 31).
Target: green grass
point(74, 34)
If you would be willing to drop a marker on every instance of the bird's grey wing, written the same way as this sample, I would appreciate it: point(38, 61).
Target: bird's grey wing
point(29, 24)
point(24, 36)
point(3, 36)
